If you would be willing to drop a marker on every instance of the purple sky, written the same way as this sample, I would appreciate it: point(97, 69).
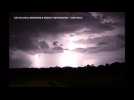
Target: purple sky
point(96, 38)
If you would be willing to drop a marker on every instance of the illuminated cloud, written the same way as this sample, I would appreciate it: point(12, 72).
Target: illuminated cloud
point(98, 33)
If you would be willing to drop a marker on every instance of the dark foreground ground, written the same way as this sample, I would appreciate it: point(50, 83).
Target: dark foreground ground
point(111, 76)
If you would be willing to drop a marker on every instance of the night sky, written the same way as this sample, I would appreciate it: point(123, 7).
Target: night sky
point(93, 38)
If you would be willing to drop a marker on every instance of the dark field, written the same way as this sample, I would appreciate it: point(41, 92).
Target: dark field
point(103, 76)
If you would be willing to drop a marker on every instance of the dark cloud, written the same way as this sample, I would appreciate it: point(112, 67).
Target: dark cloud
point(117, 39)
point(53, 50)
point(97, 49)
point(61, 45)
point(114, 18)
point(19, 59)
point(121, 37)
point(23, 31)
point(110, 41)
point(104, 21)
point(21, 42)
point(55, 43)
point(43, 45)
point(59, 26)
point(43, 36)
point(103, 44)
point(19, 63)
point(58, 49)
point(82, 50)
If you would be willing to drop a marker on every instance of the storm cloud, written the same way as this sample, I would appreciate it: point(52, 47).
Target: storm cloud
point(96, 33)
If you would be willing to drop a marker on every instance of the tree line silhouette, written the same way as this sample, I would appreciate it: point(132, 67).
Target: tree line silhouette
point(114, 74)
